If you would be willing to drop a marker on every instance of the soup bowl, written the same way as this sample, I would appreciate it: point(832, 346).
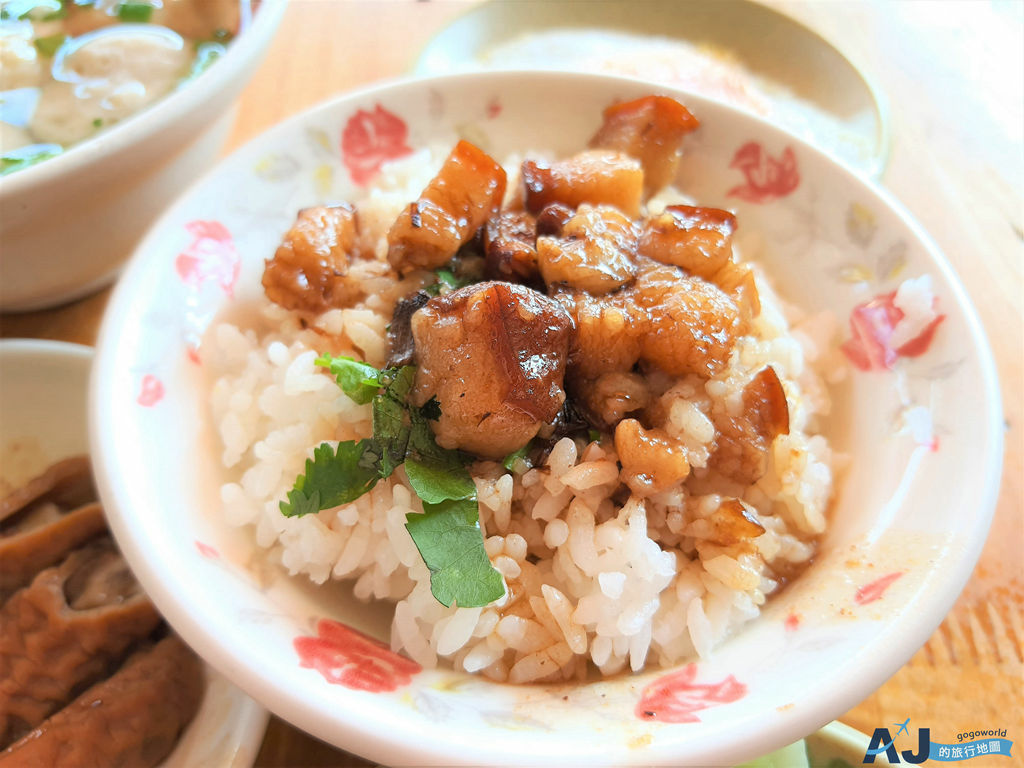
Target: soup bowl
point(915, 484)
point(69, 223)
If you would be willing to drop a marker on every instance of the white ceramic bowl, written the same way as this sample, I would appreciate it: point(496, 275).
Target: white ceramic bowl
point(68, 224)
point(42, 411)
point(910, 517)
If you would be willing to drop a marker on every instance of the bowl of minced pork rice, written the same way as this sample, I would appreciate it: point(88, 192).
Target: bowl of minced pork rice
point(537, 418)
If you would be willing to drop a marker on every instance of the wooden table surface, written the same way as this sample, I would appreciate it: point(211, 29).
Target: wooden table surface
point(951, 72)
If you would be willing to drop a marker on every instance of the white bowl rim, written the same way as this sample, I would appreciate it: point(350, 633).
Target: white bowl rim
point(137, 128)
point(805, 716)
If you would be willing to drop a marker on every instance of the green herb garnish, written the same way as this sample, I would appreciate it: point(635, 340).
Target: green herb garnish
point(17, 159)
point(593, 435)
point(510, 461)
point(134, 11)
point(333, 476)
point(447, 279)
point(48, 46)
point(447, 534)
point(359, 381)
point(97, 122)
point(207, 53)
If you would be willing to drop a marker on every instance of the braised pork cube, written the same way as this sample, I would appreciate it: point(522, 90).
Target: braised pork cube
point(494, 355)
point(605, 337)
point(595, 176)
point(594, 253)
point(309, 268)
point(686, 324)
point(652, 130)
point(741, 453)
point(697, 239)
point(552, 219)
point(652, 460)
point(608, 399)
point(510, 247)
point(467, 190)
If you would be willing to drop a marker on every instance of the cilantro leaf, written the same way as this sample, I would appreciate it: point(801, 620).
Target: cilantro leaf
point(359, 381)
point(134, 11)
point(510, 461)
point(207, 54)
point(23, 157)
point(47, 46)
point(391, 423)
point(435, 473)
point(450, 542)
point(447, 534)
point(333, 476)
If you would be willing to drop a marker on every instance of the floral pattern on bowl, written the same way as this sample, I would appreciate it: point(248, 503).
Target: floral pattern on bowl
point(899, 549)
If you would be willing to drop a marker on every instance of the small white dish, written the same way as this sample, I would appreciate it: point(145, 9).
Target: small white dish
point(43, 386)
point(912, 510)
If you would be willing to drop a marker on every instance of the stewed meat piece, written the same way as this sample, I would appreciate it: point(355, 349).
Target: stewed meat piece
point(686, 324)
point(604, 337)
point(134, 718)
point(46, 518)
point(65, 630)
point(594, 252)
point(494, 355)
point(597, 176)
point(741, 453)
point(697, 239)
point(466, 192)
point(309, 270)
point(652, 130)
point(510, 248)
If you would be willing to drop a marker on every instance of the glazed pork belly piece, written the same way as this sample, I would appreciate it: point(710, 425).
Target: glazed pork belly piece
point(596, 176)
point(650, 129)
point(134, 718)
point(466, 192)
point(494, 355)
point(65, 630)
point(44, 519)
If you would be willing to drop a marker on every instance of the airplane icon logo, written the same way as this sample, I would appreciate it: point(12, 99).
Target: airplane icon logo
point(903, 727)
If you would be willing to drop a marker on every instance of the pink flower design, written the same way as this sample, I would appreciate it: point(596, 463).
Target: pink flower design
point(674, 698)
point(210, 256)
point(151, 392)
point(350, 658)
point(369, 139)
point(206, 550)
point(874, 591)
point(872, 325)
point(768, 178)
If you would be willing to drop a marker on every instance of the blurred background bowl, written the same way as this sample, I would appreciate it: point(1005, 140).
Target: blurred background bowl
point(68, 224)
point(43, 387)
point(898, 551)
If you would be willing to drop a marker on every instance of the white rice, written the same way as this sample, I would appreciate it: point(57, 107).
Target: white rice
point(587, 579)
